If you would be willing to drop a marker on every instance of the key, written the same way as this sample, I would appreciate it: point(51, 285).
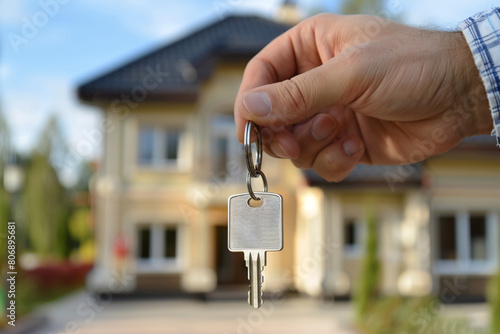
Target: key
point(255, 231)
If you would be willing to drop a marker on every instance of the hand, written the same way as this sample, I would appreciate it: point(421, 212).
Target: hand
point(335, 91)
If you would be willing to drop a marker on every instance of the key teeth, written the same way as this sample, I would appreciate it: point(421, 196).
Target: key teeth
point(255, 261)
point(260, 302)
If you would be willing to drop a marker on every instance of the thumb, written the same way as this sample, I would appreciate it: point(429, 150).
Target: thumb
point(296, 99)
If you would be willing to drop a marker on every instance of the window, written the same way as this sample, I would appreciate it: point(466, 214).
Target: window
point(158, 146)
point(353, 235)
point(221, 147)
point(170, 244)
point(478, 250)
point(228, 159)
point(172, 145)
point(157, 247)
point(144, 243)
point(447, 240)
point(146, 146)
point(467, 242)
point(350, 234)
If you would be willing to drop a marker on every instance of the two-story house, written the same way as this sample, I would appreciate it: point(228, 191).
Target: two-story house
point(171, 159)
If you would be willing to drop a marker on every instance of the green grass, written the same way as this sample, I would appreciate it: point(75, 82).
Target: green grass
point(392, 315)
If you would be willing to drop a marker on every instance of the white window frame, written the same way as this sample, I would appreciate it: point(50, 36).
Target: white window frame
point(159, 145)
point(157, 263)
point(464, 265)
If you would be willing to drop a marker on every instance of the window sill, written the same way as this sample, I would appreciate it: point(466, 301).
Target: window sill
point(465, 268)
point(166, 267)
point(352, 253)
point(160, 169)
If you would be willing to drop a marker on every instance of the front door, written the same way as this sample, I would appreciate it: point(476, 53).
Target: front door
point(231, 267)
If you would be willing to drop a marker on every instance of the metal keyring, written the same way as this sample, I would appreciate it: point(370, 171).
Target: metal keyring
point(249, 184)
point(253, 169)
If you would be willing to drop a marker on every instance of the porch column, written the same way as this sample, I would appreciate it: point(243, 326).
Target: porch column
point(416, 279)
point(106, 276)
point(336, 282)
point(199, 276)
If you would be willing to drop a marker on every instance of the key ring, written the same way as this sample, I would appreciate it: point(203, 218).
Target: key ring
point(253, 169)
point(249, 184)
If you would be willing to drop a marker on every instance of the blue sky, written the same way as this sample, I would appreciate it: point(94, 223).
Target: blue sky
point(50, 46)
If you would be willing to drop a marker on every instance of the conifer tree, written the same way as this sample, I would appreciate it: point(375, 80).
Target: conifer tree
point(45, 198)
point(494, 299)
point(366, 292)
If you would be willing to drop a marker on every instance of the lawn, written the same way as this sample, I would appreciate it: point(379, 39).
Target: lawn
point(389, 315)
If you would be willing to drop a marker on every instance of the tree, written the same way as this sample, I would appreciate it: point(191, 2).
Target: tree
point(46, 202)
point(362, 6)
point(5, 151)
point(367, 289)
point(494, 299)
point(4, 205)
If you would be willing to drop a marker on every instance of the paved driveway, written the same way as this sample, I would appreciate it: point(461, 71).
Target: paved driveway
point(82, 314)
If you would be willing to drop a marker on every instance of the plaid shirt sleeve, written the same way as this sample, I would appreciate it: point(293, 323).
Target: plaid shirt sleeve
point(482, 32)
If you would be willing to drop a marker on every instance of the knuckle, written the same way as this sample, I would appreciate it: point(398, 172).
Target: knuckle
point(302, 163)
point(332, 170)
point(267, 137)
point(276, 124)
point(294, 96)
point(355, 59)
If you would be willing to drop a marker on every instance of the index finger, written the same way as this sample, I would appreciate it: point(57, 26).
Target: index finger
point(275, 62)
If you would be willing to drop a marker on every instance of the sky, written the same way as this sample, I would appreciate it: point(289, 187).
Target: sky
point(49, 47)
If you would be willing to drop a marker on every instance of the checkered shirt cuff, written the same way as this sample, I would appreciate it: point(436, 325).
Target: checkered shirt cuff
point(482, 32)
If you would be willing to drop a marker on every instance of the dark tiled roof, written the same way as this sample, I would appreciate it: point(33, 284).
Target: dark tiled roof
point(373, 176)
point(396, 177)
point(188, 61)
point(483, 142)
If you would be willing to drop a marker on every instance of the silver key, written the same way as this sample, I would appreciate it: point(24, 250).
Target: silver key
point(255, 231)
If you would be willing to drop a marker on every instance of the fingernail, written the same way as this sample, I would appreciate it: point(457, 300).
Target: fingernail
point(320, 130)
point(258, 103)
point(351, 146)
point(280, 151)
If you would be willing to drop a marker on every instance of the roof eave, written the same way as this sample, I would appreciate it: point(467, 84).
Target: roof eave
point(365, 185)
point(115, 97)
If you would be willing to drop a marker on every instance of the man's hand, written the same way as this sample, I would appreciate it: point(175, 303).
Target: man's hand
point(335, 91)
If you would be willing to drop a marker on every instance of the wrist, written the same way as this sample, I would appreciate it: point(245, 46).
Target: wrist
point(471, 98)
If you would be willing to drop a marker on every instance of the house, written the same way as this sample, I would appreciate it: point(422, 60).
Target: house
point(171, 160)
